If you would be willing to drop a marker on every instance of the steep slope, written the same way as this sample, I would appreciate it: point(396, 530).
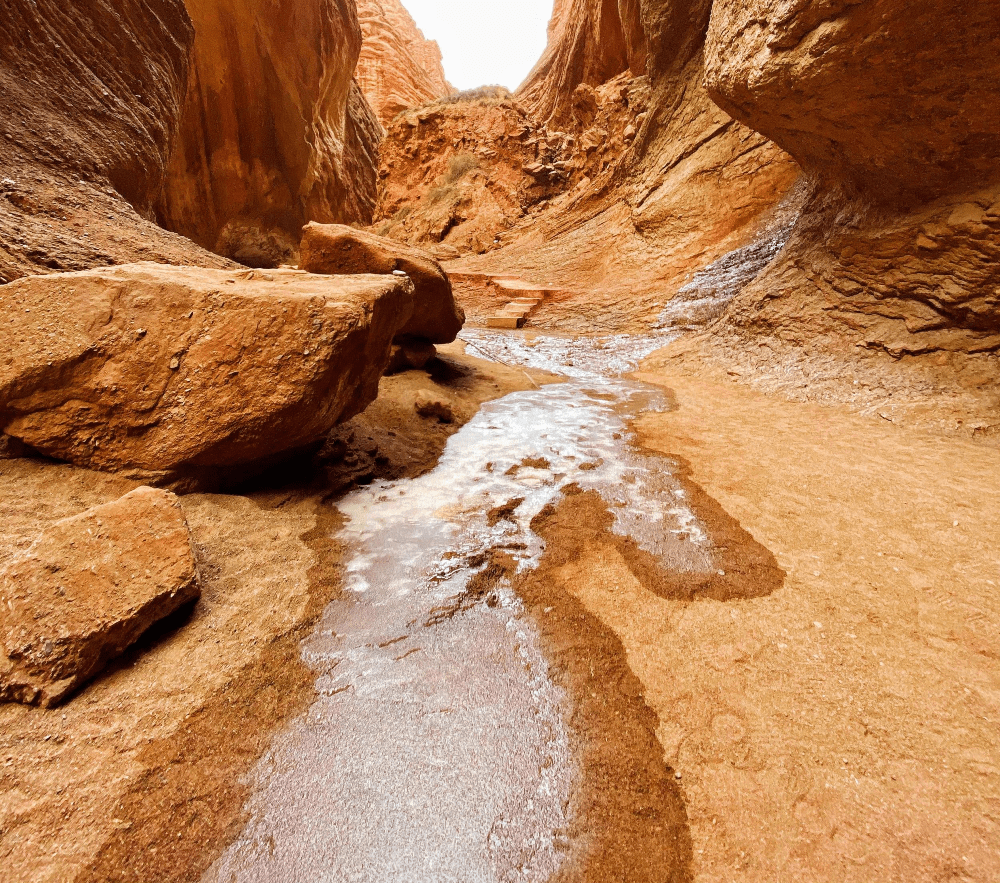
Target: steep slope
point(247, 174)
point(899, 248)
point(674, 188)
point(398, 67)
point(87, 119)
point(461, 170)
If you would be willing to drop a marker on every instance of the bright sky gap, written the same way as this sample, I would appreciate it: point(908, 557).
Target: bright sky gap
point(485, 42)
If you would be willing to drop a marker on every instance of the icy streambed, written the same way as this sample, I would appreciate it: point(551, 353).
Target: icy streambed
point(437, 749)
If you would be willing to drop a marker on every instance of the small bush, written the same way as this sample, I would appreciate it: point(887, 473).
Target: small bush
point(441, 193)
point(481, 94)
point(403, 213)
point(459, 166)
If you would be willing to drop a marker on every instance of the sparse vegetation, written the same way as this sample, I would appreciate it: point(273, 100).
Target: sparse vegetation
point(479, 95)
point(441, 193)
point(459, 166)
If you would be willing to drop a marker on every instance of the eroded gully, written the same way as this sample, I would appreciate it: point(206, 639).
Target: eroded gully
point(438, 747)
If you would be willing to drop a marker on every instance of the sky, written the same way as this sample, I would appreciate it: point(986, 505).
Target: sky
point(485, 42)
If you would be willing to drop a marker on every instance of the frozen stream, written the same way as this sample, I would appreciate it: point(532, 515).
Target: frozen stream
point(437, 749)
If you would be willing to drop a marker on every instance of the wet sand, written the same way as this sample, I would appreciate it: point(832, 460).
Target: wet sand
point(142, 775)
point(444, 743)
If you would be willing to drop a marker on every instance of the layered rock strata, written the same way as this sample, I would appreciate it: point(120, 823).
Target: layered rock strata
point(398, 67)
point(669, 183)
point(337, 249)
point(90, 96)
point(187, 376)
point(87, 589)
point(894, 111)
point(274, 131)
point(589, 43)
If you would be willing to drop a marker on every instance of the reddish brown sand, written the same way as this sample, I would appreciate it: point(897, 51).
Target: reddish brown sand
point(140, 776)
point(844, 726)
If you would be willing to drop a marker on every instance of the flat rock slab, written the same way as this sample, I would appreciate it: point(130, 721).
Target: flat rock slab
point(505, 322)
point(87, 589)
point(173, 375)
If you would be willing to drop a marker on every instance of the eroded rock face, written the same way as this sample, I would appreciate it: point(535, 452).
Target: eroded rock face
point(462, 170)
point(274, 133)
point(337, 249)
point(87, 589)
point(185, 376)
point(590, 42)
point(398, 67)
point(90, 97)
point(894, 110)
point(663, 182)
point(897, 99)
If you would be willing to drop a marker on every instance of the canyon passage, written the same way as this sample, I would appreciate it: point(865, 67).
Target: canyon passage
point(592, 478)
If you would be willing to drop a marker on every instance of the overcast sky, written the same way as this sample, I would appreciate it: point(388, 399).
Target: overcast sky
point(485, 42)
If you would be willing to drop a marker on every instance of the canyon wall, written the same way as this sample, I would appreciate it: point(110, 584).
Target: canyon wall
point(670, 181)
point(590, 42)
point(87, 118)
point(274, 131)
point(893, 109)
point(398, 67)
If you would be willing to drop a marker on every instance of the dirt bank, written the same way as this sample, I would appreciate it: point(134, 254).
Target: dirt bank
point(140, 777)
point(842, 726)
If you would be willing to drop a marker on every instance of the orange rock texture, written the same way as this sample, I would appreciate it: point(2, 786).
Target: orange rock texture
point(184, 376)
point(668, 182)
point(274, 131)
point(893, 109)
point(398, 68)
point(340, 250)
point(87, 589)
point(589, 44)
point(90, 96)
point(461, 170)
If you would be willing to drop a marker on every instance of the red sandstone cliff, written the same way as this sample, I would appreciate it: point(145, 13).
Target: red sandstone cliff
point(398, 67)
point(274, 132)
point(670, 181)
point(590, 42)
point(90, 96)
point(893, 109)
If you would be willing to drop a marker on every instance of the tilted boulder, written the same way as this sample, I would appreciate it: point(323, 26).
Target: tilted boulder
point(337, 249)
point(181, 375)
point(87, 589)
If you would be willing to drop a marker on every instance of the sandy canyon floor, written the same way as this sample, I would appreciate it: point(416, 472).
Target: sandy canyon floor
point(624, 618)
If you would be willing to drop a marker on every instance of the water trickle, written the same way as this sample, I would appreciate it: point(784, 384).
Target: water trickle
point(438, 748)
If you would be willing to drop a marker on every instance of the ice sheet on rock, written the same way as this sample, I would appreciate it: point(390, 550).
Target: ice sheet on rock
point(707, 295)
point(438, 749)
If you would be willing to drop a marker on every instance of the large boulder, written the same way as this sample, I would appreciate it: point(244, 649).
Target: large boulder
point(180, 375)
point(90, 97)
point(900, 99)
point(336, 249)
point(274, 132)
point(893, 108)
point(87, 589)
